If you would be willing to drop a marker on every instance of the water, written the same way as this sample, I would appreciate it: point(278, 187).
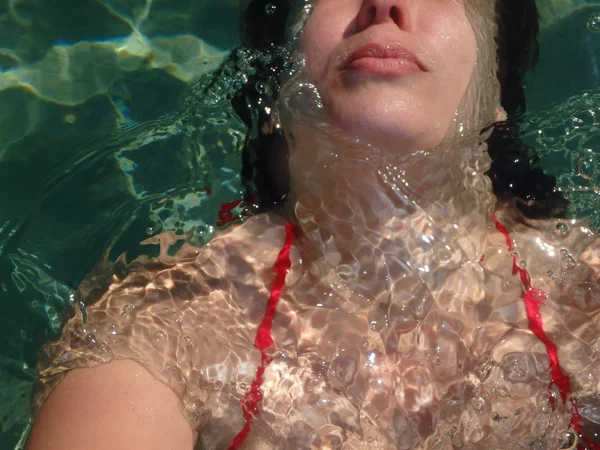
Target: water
point(103, 156)
point(84, 150)
point(564, 116)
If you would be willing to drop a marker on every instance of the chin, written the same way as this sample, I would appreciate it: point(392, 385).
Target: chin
point(393, 131)
point(387, 119)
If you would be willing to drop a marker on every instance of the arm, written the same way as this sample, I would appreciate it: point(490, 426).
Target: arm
point(114, 406)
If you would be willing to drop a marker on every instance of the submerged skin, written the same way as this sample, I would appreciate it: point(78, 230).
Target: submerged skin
point(401, 322)
point(335, 366)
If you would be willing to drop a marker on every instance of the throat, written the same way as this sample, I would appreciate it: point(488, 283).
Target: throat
point(377, 220)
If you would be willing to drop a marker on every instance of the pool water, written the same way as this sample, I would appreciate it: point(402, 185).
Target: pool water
point(103, 145)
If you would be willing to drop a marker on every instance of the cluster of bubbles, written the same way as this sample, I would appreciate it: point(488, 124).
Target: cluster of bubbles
point(567, 139)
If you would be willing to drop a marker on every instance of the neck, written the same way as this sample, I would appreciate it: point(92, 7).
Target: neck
point(364, 212)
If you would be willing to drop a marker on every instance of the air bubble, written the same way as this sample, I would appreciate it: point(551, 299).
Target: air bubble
point(378, 320)
point(593, 22)
point(191, 402)
point(341, 371)
point(160, 336)
point(567, 440)
point(562, 229)
point(149, 231)
point(478, 404)
point(567, 261)
point(436, 443)
point(434, 358)
point(188, 341)
point(485, 370)
point(587, 166)
point(271, 8)
point(126, 310)
point(457, 442)
point(502, 391)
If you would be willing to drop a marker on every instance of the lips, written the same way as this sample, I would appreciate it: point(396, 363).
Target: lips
point(385, 59)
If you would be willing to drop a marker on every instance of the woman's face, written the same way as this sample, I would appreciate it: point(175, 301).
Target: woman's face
point(390, 72)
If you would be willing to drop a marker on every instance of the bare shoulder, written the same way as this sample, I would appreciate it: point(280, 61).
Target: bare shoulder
point(144, 339)
point(118, 405)
point(258, 237)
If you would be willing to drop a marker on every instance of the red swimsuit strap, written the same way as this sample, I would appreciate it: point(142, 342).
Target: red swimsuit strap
point(264, 338)
point(533, 299)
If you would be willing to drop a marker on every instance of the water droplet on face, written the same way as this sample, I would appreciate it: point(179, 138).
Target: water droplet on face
point(593, 22)
point(271, 8)
point(188, 341)
point(562, 229)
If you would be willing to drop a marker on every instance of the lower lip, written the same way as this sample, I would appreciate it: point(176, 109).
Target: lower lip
point(384, 66)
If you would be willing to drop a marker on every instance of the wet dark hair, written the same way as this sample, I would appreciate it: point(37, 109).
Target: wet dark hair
point(515, 172)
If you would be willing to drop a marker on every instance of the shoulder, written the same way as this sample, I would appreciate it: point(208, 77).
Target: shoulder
point(251, 246)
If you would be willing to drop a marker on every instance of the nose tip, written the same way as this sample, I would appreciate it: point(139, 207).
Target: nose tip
point(374, 12)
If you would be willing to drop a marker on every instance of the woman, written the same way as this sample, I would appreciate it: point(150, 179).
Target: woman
point(396, 311)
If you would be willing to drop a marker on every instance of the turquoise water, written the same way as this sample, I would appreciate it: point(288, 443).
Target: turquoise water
point(103, 144)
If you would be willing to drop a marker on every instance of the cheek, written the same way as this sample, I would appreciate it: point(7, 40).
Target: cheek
point(319, 39)
point(460, 51)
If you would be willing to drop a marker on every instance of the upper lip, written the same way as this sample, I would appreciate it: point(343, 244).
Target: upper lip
point(375, 50)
